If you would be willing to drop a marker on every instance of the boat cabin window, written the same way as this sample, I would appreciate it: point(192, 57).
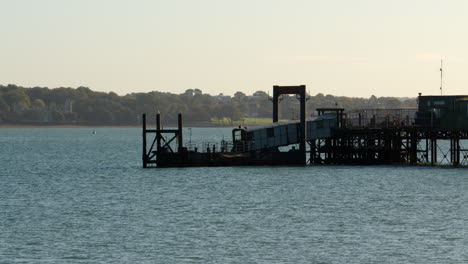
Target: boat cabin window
point(238, 135)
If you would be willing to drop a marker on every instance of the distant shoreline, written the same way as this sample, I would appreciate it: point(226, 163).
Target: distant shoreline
point(63, 126)
point(5, 126)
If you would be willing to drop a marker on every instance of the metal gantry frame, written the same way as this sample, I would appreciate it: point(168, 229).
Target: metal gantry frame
point(297, 90)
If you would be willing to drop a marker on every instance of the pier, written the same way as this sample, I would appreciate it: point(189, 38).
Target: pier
point(391, 146)
point(434, 134)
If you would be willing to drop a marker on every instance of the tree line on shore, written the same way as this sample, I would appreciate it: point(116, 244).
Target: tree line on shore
point(82, 106)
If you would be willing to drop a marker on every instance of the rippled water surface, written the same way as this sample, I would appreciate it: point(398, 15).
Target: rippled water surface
point(68, 196)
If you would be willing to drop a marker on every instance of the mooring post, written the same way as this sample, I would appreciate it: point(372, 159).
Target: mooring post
point(144, 156)
point(179, 136)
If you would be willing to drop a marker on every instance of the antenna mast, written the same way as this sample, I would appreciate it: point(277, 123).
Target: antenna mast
point(441, 76)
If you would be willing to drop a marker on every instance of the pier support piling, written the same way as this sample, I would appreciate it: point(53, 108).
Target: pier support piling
point(145, 154)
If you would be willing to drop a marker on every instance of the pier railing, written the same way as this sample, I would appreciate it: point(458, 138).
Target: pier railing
point(380, 118)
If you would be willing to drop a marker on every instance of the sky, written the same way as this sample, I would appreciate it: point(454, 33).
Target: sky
point(352, 48)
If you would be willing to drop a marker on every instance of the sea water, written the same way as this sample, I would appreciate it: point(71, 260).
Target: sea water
point(70, 196)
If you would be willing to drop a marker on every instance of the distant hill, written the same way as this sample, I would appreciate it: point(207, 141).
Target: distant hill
point(82, 106)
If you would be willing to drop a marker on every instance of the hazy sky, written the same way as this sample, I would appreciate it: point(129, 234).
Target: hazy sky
point(340, 47)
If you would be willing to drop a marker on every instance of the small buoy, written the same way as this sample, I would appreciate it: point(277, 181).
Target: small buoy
point(94, 131)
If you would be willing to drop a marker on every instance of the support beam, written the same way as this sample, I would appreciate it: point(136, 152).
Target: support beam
point(158, 128)
point(413, 147)
point(455, 150)
point(179, 127)
point(303, 138)
point(145, 154)
point(275, 103)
